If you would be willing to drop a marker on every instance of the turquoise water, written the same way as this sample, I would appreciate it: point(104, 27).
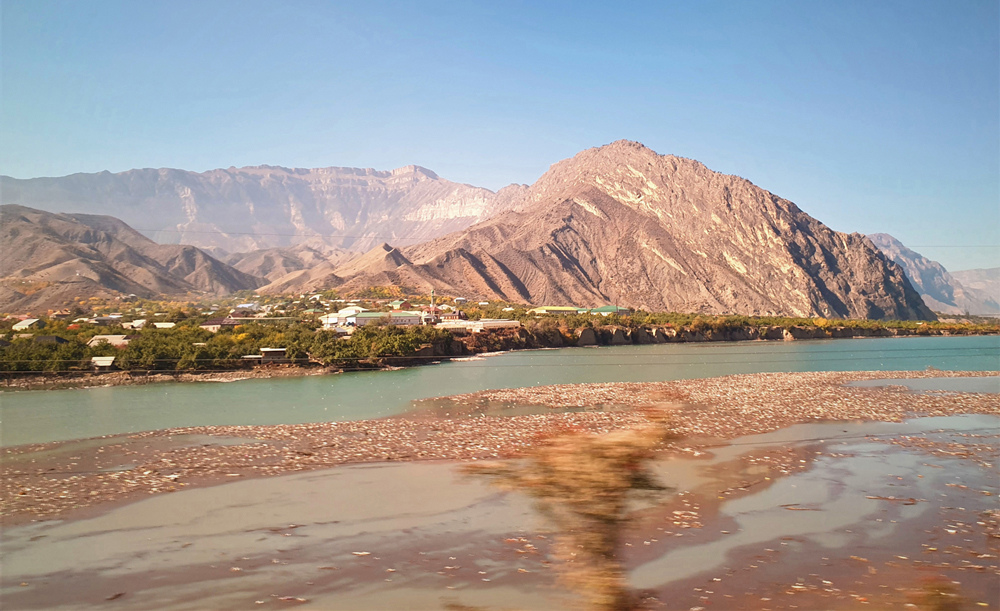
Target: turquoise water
point(40, 416)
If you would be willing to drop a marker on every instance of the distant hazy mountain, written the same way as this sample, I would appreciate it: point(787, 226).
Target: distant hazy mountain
point(621, 224)
point(274, 263)
point(942, 291)
point(986, 282)
point(54, 259)
point(254, 208)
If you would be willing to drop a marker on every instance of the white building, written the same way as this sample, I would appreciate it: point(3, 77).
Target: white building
point(405, 318)
point(478, 326)
point(28, 323)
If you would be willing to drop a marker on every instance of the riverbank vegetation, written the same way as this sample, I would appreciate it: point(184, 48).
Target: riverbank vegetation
point(62, 345)
point(188, 347)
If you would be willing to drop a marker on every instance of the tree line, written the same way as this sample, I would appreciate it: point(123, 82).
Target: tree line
point(189, 347)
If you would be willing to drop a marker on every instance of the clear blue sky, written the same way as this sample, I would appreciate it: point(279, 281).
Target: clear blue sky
point(871, 116)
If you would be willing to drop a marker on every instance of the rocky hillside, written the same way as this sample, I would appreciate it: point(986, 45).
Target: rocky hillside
point(255, 208)
point(941, 291)
point(54, 259)
point(622, 224)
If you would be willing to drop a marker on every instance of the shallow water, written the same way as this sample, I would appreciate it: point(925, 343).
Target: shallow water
point(426, 530)
point(53, 415)
point(832, 493)
point(989, 384)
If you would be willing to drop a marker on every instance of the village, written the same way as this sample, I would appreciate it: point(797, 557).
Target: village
point(275, 331)
point(279, 335)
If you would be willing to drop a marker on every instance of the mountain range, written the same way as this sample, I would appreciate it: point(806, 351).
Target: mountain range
point(263, 207)
point(972, 291)
point(614, 224)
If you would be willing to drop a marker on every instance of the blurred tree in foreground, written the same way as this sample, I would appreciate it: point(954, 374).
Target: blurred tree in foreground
point(583, 483)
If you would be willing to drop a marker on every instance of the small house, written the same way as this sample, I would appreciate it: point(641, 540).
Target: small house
point(28, 323)
point(273, 355)
point(400, 304)
point(135, 324)
point(118, 341)
point(404, 318)
point(105, 321)
point(102, 363)
point(453, 315)
point(461, 300)
point(215, 324)
point(361, 319)
point(164, 325)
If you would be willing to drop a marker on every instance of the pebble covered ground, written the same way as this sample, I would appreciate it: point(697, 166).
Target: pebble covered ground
point(49, 480)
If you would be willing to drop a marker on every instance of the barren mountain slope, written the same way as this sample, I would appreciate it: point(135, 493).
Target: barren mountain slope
point(621, 224)
point(45, 253)
point(273, 263)
point(252, 208)
point(941, 291)
point(382, 266)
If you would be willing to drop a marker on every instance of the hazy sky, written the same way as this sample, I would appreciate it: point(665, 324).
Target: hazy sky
point(871, 116)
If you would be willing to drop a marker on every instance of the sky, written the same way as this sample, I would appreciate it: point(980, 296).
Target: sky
point(871, 116)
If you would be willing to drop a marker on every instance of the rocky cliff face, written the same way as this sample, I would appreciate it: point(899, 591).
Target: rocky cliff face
point(54, 259)
point(941, 291)
point(254, 208)
point(621, 224)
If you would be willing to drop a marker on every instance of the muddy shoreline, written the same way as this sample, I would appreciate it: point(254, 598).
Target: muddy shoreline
point(61, 479)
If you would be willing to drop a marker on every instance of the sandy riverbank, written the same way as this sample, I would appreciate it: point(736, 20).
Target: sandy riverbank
point(57, 479)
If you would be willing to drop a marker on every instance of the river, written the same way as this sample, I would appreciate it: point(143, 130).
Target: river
point(54, 415)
